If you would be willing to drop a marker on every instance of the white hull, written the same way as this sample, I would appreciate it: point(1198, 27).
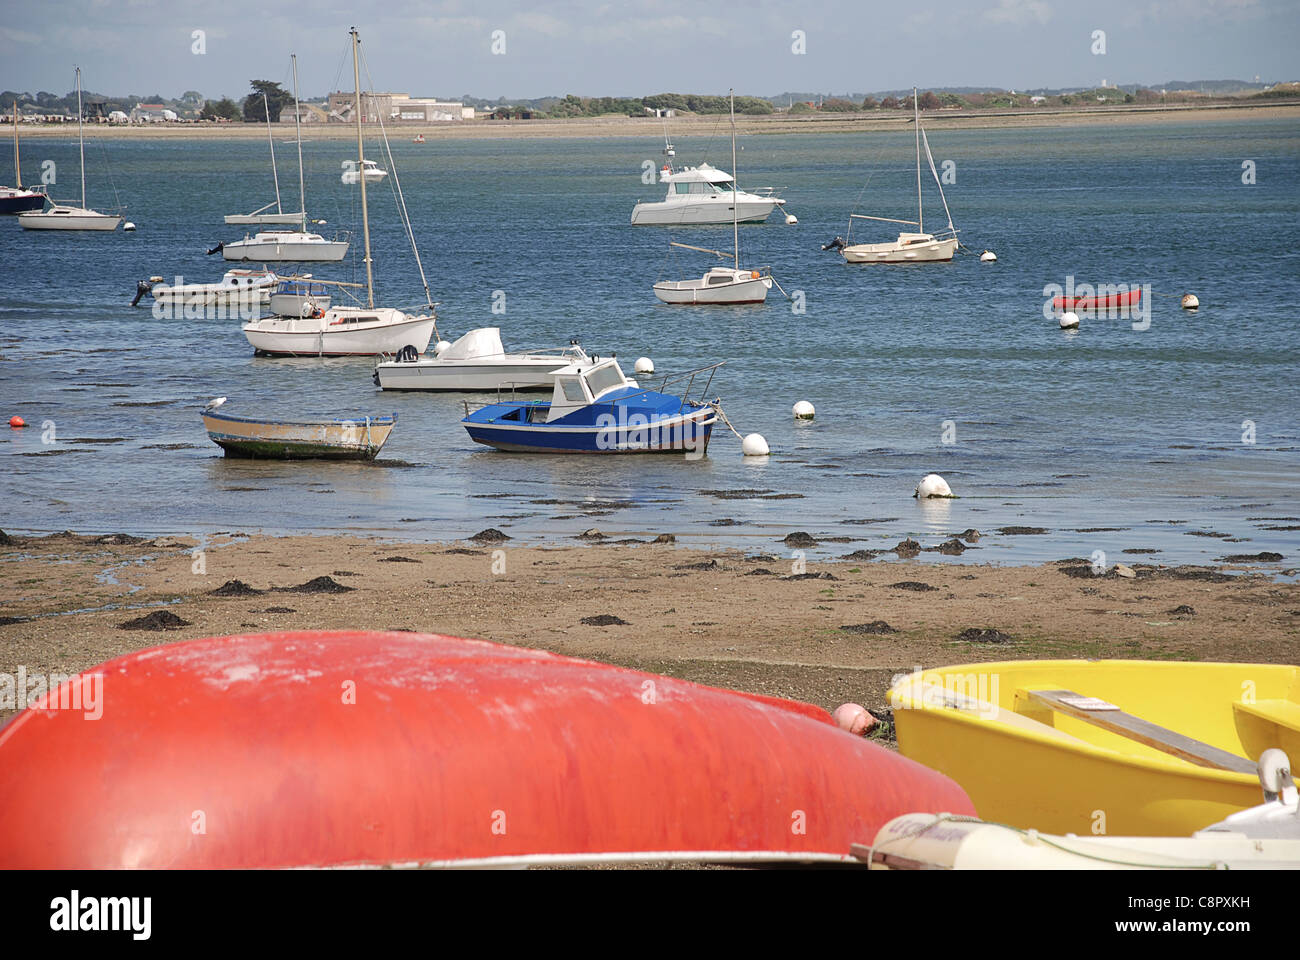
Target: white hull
point(343, 331)
point(749, 209)
point(504, 374)
point(372, 176)
point(752, 290)
point(298, 251)
point(251, 293)
point(895, 252)
point(68, 218)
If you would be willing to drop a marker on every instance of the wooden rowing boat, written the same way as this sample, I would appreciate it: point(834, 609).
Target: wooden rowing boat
point(357, 438)
point(1111, 301)
point(1126, 747)
point(369, 748)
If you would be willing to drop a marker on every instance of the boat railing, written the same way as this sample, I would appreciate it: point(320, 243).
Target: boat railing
point(690, 376)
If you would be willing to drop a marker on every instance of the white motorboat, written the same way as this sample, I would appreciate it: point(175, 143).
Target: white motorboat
point(284, 245)
point(243, 288)
point(917, 247)
point(65, 216)
point(352, 330)
point(16, 199)
point(700, 195)
point(372, 170)
point(299, 297)
point(477, 361)
point(720, 285)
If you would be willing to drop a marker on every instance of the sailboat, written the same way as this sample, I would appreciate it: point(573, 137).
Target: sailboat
point(349, 330)
point(63, 216)
point(283, 245)
point(263, 214)
point(909, 247)
point(729, 285)
point(16, 199)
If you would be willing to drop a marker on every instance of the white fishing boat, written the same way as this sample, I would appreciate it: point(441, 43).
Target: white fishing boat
point(16, 199)
point(720, 285)
point(352, 330)
point(242, 288)
point(63, 216)
point(279, 246)
point(910, 247)
point(372, 170)
point(702, 195)
point(477, 361)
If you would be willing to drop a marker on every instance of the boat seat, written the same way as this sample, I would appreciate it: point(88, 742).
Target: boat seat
point(1111, 718)
point(1282, 713)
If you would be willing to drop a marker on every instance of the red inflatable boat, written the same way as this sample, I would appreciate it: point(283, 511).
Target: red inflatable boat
point(1112, 301)
point(360, 748)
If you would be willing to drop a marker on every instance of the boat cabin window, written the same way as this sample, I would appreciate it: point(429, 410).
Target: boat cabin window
point(603, 378)
point(572, 389)
point(720, 278)
point(699, 187)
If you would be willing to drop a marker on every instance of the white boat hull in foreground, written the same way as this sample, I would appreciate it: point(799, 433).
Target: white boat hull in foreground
point(342, 331)
point(287, 245)
point(244, 288)
point(750, 208)
point(68, 218)
point(908, 248)
point(721, 285)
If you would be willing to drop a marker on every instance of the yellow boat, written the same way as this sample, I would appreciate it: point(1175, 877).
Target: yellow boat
point(1119, 747)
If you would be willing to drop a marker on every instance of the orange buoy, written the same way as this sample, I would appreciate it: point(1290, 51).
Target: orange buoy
point(360, 748)
point(17, 422)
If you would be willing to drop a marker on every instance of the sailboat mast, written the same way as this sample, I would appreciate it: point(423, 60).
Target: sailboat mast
point(735, 178)
point(297, 130)
point(361, 171)
point(916, 122)
point(271, 143)
point(18, 170)
point(81, 141)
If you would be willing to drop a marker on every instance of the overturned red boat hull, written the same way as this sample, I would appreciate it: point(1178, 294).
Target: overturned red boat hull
point(1113, 301)
point(363, 748)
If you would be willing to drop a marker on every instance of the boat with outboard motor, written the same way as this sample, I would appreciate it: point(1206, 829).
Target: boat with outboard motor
point(477, 361)
point(595, 408)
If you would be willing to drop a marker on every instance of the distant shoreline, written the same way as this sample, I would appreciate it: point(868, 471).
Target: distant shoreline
point(684, 126)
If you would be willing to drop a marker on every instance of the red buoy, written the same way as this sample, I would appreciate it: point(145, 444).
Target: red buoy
point(16, 422)
point(352, 748)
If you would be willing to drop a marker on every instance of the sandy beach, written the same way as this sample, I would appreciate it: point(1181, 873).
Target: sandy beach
point(827, 633)
point(686, 126)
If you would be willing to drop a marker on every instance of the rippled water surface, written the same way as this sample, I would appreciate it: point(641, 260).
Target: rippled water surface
point(1138, 431)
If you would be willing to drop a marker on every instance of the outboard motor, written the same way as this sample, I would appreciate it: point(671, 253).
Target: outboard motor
point(836, 244)
point(142, 289)
point(217, 249)
point(408, 354)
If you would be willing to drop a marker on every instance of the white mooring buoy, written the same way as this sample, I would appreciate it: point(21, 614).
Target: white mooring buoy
point(988, 256)
point(1069, 321)
point(128, 226)
point(440, 346)
point(932, 485)
point(1190, 302)
point(644, 365)
point(754, 445)
point(803, 410)
point(791, 219)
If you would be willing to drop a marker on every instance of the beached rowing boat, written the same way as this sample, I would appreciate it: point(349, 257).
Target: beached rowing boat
point(1122, 747)
point(1110, 301)
point(398, 749)
point(357, 438)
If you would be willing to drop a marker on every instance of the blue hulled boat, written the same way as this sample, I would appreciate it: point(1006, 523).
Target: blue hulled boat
point(595, 408)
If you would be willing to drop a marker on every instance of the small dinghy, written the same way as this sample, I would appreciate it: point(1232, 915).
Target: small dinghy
point(357, 438)
point(476, 361)
point(1152, 748)
point(320, 749)
point(1111, 301)
point(595, 408)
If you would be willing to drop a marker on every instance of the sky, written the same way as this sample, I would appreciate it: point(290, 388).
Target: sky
point(516, 49)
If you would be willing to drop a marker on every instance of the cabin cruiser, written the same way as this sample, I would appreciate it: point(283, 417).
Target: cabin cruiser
point(477, 361)
point(281, 245)
point(372, 169)
point(703, 194)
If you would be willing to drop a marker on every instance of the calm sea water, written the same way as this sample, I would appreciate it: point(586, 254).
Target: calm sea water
point(1137, 431)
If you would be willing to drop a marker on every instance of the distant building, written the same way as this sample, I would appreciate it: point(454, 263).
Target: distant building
point(308, 113)
point(396, 107)
point(151, 113)
point(1037, 99)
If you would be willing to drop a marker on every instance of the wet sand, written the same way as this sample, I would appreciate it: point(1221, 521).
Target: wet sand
point(686, 126)
point(746, 620)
